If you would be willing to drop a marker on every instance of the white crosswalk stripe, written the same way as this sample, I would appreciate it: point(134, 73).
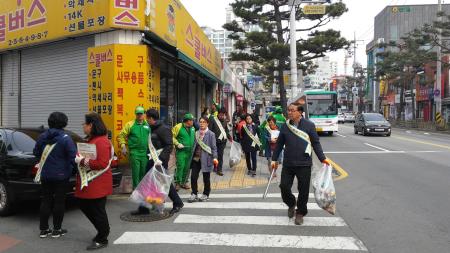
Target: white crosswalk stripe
point(196, 216)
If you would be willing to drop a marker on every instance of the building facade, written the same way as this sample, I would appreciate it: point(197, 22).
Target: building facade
point(109, 60)
point(392, 24)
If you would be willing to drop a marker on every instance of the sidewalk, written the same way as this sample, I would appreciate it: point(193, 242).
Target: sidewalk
point(233, 178)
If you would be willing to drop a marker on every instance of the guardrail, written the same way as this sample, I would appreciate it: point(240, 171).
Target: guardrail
point(420, 124)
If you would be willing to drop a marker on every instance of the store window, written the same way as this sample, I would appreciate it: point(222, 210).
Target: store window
point(167, 92)
point(183, 95)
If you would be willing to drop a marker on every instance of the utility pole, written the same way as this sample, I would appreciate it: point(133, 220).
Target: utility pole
point(293, 45)
point(354, 73)
point(438, 87)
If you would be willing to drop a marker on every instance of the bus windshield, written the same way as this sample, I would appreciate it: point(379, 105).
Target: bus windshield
point(323, 104)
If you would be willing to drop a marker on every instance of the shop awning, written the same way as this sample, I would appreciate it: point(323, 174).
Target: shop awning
point(195, 65)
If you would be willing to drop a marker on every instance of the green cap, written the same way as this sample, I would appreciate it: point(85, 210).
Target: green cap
point(188, 116)
point(139, 110)
point(278, 109)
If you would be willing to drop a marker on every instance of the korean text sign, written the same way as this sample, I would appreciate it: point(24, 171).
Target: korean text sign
point(29, 22)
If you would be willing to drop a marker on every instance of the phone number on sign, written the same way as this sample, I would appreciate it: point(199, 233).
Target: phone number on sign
point(28, 38)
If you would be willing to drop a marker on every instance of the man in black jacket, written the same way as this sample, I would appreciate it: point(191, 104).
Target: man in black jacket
point(162, 139)
point(297, 138)
point(221, 137)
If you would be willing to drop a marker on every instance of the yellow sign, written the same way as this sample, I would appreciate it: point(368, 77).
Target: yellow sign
point(314, 9)
point(121, 77)
point(383, 87)
point(162, 19)
point(171, 22)
point(28, 22)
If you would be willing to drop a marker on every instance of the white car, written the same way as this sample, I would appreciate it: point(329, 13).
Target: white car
point(349, 117)
point(341, 118)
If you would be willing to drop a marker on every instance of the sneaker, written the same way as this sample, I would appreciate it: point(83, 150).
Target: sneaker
point(141, 211)
point(45, 233)
point(291, 212)
point(249, 172)
point(96, 246)
point(298, 219)
point(193, 198)
point(58, 233)
point(185, 186)
point(220, 173)
point(253, 173)
point(203, 198)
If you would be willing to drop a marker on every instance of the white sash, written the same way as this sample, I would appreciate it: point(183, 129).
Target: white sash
point(223, 134)
point(302, 135)
point(203, 145)
point(154, 154)
point(47, 150)
point(87, 175)
point(254, 139)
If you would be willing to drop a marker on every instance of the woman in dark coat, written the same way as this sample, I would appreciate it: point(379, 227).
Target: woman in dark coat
point(250, 146)
point(204, 159)
point(56, 152)
point(93, 196)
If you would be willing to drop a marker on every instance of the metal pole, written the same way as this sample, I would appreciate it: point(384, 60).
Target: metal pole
point(354, 71)
point(437, 99)
point(293, 33)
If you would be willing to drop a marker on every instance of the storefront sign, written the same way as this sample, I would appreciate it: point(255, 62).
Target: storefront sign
point(121, 77)
point(227, 88)
point(27, 22)
point(171, 22)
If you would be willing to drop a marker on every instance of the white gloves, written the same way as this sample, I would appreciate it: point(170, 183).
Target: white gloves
point(124, 150)
point(78, 158)
point(180, 146)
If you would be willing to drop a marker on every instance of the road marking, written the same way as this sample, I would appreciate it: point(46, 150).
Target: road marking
point(244, 205)
point(260, 220)
point(421, 142)
point(380, 152)
point(343, 136)
point(426, 133)
point(236, 196)
point(408, 132)
point(243, 240)
point(373, 146)
point(342, 173)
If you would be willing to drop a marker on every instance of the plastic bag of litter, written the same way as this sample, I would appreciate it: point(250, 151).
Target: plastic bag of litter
point(153, 189)
point(235, 154)
point(324, 191)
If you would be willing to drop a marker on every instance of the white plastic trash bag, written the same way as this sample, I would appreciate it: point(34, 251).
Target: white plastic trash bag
point(324, 191)
point(153, 189)
point(235, 154)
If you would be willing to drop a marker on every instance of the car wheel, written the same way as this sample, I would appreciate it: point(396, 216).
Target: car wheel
point(330, 133)
point(355, 130)
point(389, 134)
point(364, 132)
point(6, 199)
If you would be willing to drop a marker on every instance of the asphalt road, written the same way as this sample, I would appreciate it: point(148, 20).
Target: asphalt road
point(397, 195)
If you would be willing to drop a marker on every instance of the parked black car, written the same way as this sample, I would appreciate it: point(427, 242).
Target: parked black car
point(372, 123)
point(17, 167)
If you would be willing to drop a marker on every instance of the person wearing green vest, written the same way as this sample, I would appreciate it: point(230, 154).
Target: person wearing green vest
point(135, 134)
point(183, 139)
point(280, 120)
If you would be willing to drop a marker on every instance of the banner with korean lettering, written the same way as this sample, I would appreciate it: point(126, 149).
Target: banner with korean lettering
point(28, 22)
point(192, 41)
point(162, 19)
point(122, 77)
point(172, 23)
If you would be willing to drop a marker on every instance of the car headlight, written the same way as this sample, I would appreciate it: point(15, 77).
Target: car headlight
point(368, 129)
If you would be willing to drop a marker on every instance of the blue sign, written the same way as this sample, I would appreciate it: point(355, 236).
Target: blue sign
point(251, 83)
point(437, 93)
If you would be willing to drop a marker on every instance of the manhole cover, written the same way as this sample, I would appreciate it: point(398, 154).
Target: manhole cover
point(153, 216)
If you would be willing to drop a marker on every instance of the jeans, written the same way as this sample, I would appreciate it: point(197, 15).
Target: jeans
point(303, 175)
point(53, 202)
point(95, 211)
point(196, 168)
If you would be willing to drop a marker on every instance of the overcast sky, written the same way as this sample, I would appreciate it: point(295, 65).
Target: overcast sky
point(359, 19)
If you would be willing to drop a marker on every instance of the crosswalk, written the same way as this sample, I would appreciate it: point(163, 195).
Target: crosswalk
point(240, 221)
